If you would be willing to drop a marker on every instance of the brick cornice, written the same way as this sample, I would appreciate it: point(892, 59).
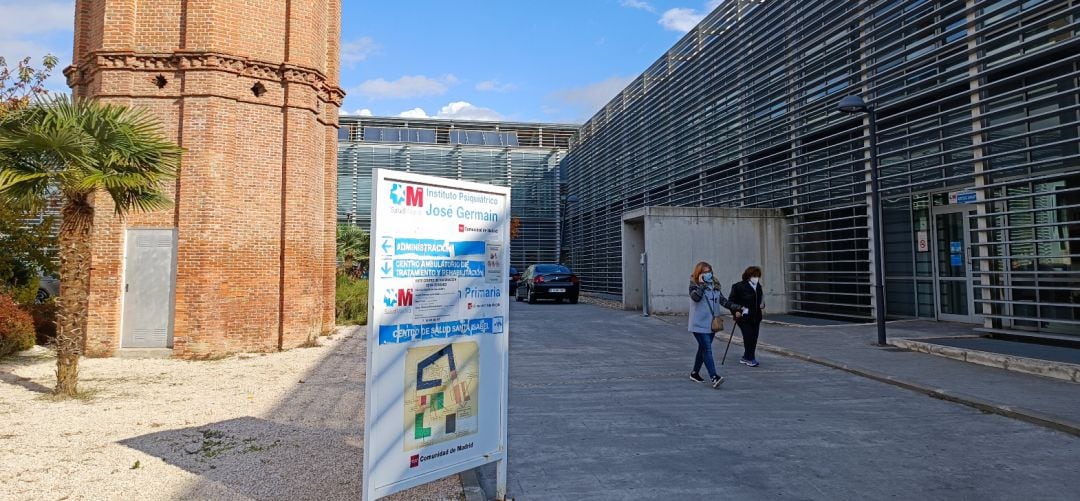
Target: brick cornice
point(211, 61)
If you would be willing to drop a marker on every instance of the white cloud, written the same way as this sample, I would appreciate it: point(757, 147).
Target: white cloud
point(363, 112)
point(637, 4)
point(590, 98)
point(459, 110)
point(413, 113)
point(15, 50)
point(36, 17)
point(29, 29)
point(680, 19)
point(406, 87)
point(355, 51)
point(463, 110)
point(494, 86)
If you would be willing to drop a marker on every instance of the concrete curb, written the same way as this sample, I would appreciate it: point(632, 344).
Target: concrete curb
point(470, 486)
point(1053, 422)
point(1045, 368)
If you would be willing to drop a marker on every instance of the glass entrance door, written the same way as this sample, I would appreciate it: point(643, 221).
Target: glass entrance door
point(952, 264)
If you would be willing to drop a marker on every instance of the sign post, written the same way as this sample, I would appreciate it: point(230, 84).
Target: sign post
point(436, 386)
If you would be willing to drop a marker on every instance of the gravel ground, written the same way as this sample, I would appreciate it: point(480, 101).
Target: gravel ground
point(273, 426)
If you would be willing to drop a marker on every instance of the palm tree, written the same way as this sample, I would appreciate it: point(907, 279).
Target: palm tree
point(79, 150)
point(352, 246)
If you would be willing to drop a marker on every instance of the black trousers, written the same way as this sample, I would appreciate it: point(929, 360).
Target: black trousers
point(749, 327)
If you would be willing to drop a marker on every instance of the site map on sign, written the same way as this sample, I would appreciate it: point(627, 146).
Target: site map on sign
point(441, 393)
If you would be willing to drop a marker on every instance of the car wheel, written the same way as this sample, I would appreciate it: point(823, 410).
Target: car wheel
point(532, 297)
point(42, 296)
point(573, 299)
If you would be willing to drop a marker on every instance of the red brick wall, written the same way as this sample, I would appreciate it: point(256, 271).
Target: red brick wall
point(255, 201)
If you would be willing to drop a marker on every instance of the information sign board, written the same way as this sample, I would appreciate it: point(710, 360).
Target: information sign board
point(963, 197)
point(436, 386)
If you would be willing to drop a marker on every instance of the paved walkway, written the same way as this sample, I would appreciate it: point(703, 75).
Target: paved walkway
point(601, 408)
point(1041, 400)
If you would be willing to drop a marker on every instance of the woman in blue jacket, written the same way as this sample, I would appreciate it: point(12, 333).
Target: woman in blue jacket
point(706, 300)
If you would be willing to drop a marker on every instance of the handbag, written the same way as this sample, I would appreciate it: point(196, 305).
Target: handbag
point(717, 323)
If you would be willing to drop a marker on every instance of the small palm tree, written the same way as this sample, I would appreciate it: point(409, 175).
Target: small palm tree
point(78, 150)
point(352, 246)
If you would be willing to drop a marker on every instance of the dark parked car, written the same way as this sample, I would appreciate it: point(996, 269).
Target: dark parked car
point(514, 277)
point(548, 281)
point(47, 287)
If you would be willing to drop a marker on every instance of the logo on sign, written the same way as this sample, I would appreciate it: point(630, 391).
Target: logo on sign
point(398, 297)
point(414, 461)
point(413, 196)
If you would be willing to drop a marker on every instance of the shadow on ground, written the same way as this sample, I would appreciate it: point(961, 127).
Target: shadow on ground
point(16, 362)
point(251, 456)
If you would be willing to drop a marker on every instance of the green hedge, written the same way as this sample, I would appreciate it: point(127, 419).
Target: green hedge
point(352, 300)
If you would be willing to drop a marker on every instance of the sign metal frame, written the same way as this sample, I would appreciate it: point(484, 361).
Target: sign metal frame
point(389, 464)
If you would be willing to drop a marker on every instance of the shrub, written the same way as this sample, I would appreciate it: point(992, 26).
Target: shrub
point(44, 316)
point(16, 327)
point(352, 298)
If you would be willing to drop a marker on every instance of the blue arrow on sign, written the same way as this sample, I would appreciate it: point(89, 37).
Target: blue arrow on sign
point(386, 268)
point(386, 245)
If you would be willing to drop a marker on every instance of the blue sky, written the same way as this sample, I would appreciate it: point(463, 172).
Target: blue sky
point(521, 60)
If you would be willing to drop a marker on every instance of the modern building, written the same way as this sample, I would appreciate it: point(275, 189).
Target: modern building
point(977, 120)
point(523, 156)
point(244, 260)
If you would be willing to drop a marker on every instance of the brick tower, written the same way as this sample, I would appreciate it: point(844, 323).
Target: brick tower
point(250, 89)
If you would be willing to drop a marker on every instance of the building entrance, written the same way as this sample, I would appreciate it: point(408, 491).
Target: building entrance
point(953, 263)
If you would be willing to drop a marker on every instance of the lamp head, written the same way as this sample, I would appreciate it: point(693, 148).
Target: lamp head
point(852, 104)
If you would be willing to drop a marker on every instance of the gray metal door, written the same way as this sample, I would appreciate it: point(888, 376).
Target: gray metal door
point(149, 280)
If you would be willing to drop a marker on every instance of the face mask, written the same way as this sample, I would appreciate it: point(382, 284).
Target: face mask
point(706, 277)
point(753, 280)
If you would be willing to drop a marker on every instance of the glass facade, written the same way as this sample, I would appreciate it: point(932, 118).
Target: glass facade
point(524, 157)
point(977, 118)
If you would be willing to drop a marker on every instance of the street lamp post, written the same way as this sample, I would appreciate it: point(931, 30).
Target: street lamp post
point(855, 104)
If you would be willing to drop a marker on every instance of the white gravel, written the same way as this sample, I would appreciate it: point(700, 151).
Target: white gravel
point(275, 426)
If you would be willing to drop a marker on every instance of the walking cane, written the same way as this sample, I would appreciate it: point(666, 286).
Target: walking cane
point(733, 325)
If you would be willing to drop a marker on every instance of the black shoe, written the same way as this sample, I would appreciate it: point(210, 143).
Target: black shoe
point(717, 381)
point(696, 377)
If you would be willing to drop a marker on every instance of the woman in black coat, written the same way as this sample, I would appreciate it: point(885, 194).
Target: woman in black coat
point(749, 292)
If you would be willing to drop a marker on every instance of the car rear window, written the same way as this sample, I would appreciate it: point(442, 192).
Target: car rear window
point(552, 268)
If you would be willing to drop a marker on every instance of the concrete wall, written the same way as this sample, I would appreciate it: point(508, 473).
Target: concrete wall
point(676, 238)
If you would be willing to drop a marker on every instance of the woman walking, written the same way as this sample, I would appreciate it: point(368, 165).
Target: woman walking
point(705, 302)
point(749, 292)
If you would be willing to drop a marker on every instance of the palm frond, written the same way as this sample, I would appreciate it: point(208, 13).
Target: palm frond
point(81, 146)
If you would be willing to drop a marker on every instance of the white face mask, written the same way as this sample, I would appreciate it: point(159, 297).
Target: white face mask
point(753, 280)
point(706, 277)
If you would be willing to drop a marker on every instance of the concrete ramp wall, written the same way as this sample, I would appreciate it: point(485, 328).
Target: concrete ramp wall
point(676, 238)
